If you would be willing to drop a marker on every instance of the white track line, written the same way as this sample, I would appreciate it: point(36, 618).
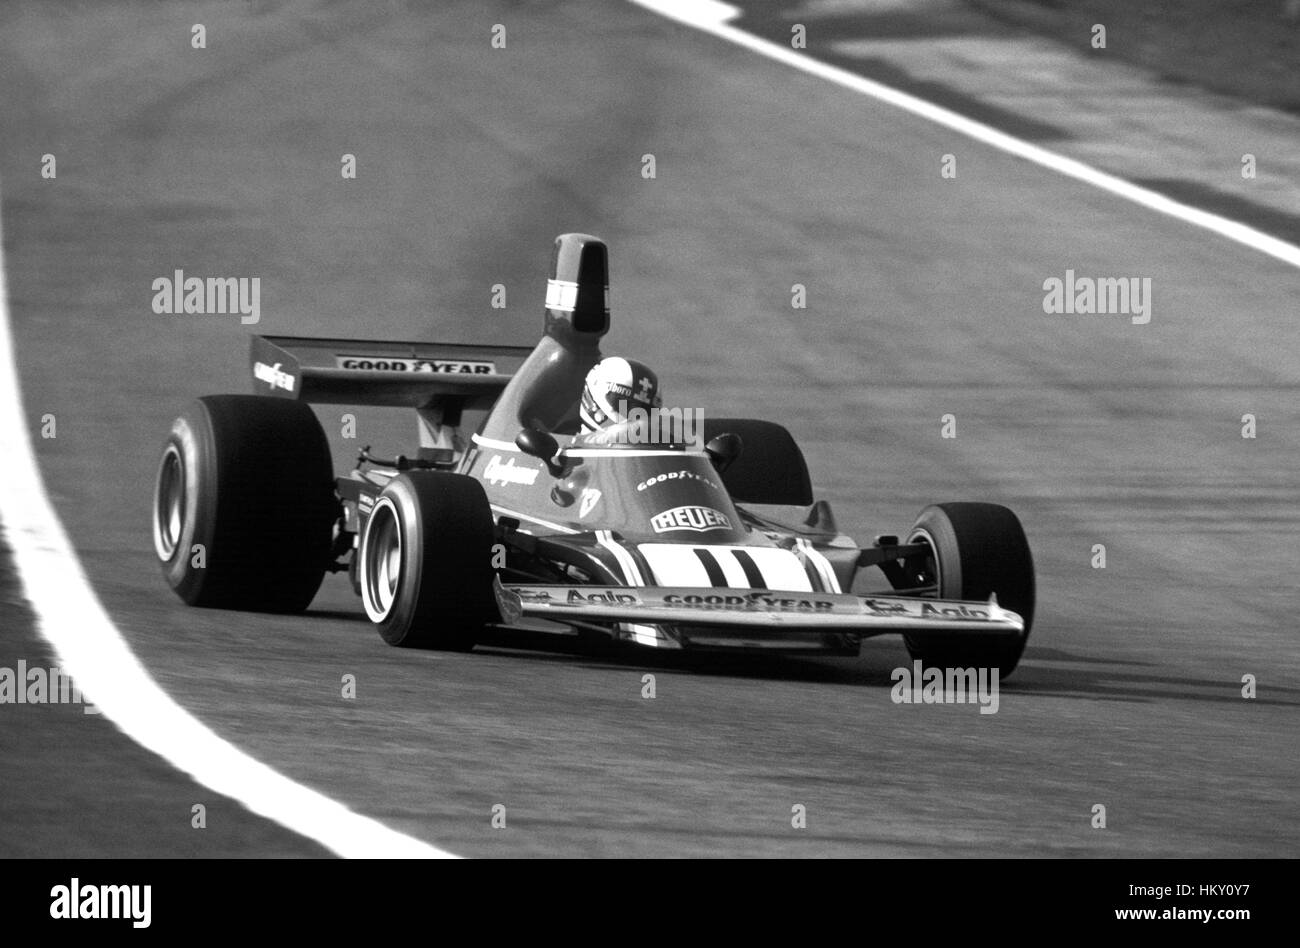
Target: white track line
point(92, 650)
point(713, 18)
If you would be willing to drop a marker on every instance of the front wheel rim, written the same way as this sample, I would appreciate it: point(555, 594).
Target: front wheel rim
point(932, 560)
point(169, 504)
point(381, 560)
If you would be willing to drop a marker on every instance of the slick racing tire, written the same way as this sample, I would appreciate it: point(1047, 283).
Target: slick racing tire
point(976, 550)
point(771, 468)
point(425, 561)
point(244, 505)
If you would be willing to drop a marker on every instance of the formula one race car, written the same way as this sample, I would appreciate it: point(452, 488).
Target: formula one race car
point(538, 525)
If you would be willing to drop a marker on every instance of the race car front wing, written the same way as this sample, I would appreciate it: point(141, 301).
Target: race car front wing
point(750, 608)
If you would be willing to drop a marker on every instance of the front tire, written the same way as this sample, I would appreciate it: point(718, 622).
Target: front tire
point(425, 562)
point(975, 550)
point(244, 504)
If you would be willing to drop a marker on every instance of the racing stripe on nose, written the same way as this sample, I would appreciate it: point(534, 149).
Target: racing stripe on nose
point(711, 566)
point(631, 570)
point(672, 564)
point(818, 566)
point(753, 575)
point(626, 562)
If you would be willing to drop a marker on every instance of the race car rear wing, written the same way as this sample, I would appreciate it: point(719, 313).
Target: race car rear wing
point(419, 375)
point(741, 608)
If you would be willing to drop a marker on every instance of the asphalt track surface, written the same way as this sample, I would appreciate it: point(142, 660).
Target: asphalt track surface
point(924, 298)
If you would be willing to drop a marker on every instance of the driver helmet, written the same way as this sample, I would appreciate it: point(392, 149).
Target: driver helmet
point(613, 387)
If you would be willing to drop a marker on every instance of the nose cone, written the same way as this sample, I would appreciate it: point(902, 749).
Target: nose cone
point(578, 290)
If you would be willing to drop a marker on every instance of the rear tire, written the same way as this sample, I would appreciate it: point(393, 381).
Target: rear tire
point(771, 468)
point(425, 562)
point(244, 504)
point(978, 550)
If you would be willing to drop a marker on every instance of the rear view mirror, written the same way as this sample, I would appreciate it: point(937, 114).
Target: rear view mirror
point(723, 451)
point(540, 444)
